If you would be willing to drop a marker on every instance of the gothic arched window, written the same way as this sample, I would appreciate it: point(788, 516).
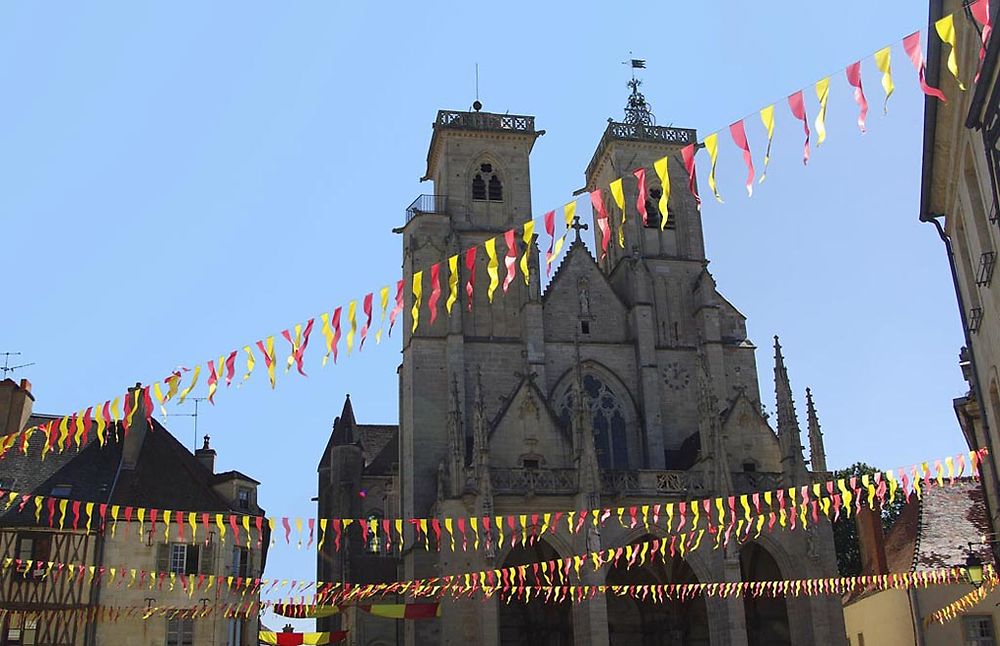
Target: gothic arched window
point(484, 189)
point(478, 187)
point(496, 189)
point(653, 210)
point(608, 421)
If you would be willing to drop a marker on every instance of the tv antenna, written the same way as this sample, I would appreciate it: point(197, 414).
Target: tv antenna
point(196, 400)
point(6, 367)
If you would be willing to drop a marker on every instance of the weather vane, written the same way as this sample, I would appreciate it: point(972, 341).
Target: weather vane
point(637, 111)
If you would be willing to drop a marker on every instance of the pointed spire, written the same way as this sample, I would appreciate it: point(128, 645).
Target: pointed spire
point(343, 426)
point(789, 435)
point(480, 439)
point(817, 453)
point(456, 442)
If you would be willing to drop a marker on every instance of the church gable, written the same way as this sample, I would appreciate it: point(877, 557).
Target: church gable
point(580, 302)
point(526, 431)
point(749, 438)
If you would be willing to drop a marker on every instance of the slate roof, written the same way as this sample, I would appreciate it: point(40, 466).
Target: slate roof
point(935, 531)
point(378, 442)
point(166, 475)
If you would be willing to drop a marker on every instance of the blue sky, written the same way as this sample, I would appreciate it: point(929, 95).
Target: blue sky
point(180, 179)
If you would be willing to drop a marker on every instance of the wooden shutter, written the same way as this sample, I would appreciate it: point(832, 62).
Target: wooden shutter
point(163, 557)
point(207, 564)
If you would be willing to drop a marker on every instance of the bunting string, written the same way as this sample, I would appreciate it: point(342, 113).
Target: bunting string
point(72, 431)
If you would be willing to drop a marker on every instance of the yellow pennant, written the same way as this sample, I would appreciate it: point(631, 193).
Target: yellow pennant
point(352, 321)
point(296, 341)
point(222, 527)
point(492, 267)
point(194, 382)
point(946, 30)
point(159, 399)
point(767, 118)
point(618, 193)
point(660, 166)
point(246, 528)
point(78, 430)
point(569, 212)
point(712, 146)
point(63, 433)
point(193, 522)
point(417, 291)
point(528, 236)
point(384, 300)
point(452, 283)
point(883, 62)
point(166, 526)
point(269, 350)
point(89, 507)
point(250, 362)
point(823, 94)
point(327, 335)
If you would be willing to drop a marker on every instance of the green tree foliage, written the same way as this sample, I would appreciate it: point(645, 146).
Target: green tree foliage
point(845, 531)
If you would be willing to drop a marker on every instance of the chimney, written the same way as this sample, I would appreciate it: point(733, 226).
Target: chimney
point(135, 435)
point(16, 402)
point(871, 540)
point(206, 455)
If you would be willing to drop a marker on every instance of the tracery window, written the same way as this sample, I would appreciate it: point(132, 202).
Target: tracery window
point(484, 189)
point(608, 421)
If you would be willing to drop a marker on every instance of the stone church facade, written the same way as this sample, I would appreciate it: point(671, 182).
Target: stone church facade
point(624, 381)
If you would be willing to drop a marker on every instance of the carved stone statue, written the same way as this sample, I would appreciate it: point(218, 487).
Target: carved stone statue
point(584, 288)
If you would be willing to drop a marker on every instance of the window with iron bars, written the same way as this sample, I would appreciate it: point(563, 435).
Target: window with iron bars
point(987, 261)
point(975, 319)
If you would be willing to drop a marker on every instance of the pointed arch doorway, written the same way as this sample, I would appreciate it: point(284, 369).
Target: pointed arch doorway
point(534, 622)
point(766, 617)
point(649, 623)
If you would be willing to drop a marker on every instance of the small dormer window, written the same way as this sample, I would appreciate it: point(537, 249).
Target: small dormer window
point(530, 464)
point(486, 185)
point(243, 499)
point(62, 490)
point(749, 467)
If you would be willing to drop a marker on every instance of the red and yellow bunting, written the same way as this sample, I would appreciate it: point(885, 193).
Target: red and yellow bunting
point(72, 431)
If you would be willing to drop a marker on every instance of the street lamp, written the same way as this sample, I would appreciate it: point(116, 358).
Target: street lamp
point(974, 570)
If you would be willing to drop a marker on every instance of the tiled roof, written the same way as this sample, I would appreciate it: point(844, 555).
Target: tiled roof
point(935, 531)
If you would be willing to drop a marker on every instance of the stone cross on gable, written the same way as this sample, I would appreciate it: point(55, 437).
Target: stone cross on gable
point(577, 226)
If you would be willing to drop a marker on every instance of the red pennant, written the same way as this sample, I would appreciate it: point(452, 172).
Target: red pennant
point(366, 305)
point(398, 307)
point(87, 422)
point(335, 322)
point(436, 526)
point(550, 229)
point(432, 301)
point(336, 534)
point(214, 378)
point(510, 260)
point(739, 134)
point(470, 266)
point(687, 156)
point(288, 530)
point(916, 53)
point(230, 367)
point(798, 106)
point(854, 78)
point(76, 513)
point(640, 201)
point(259, 523)
point(603, 223)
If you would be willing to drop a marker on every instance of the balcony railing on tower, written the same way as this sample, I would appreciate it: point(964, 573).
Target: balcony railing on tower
point(484, 121)
point(427, 204)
